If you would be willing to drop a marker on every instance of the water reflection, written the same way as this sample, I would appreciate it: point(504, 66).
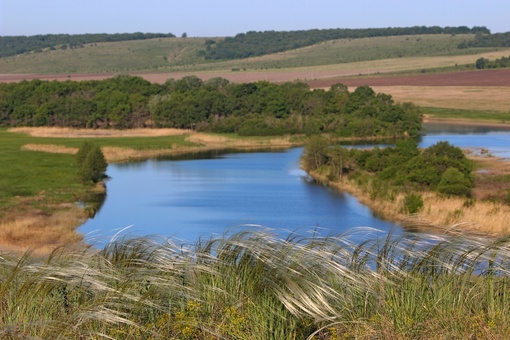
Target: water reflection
point(188, 199)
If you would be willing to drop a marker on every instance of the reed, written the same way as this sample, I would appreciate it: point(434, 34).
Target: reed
point(254, 283)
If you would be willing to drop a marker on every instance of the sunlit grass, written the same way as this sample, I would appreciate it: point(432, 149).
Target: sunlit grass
point(254, 284)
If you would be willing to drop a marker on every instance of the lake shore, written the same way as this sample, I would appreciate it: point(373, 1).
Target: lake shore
point(483, 215)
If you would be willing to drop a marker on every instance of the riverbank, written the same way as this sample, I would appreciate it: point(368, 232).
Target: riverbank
point(485, 214)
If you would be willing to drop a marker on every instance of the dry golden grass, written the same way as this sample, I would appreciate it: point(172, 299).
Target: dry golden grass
point(211, 140)
point(482, 98)
point(438, 214)
point(57, 132)
point(49, 148)
point(42, 233)
point(206, 142)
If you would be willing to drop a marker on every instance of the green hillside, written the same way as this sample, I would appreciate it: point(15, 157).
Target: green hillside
point(253, 44)
point(13, 45)
point(183, 54)
point(108, 57)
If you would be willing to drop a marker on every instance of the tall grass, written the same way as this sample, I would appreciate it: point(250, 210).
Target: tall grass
point(254, 284)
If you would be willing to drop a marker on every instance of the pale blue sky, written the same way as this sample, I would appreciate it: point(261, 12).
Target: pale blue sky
point(201, 18)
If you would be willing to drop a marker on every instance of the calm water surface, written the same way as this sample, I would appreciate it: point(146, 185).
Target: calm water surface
point(193, 198)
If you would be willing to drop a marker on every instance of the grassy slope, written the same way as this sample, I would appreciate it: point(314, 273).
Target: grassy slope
point(176, 54)
point(115, 57)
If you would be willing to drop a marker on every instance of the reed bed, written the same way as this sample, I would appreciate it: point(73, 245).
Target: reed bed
point(254, 283)
point(61, 132)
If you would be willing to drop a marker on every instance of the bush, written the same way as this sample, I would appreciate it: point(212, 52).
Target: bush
point(412, 203)
point(453, 182)
point(91, 162)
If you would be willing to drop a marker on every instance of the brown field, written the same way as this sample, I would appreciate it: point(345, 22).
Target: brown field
point(497, 77)
point(316, 77)
point(477, 98)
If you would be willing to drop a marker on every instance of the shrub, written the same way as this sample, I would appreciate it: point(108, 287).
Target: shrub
point(92, 163)
point(412, 203)
point(453, 182)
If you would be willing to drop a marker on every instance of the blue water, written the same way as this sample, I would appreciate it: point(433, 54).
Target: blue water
point(193, 198)
point(188, 199)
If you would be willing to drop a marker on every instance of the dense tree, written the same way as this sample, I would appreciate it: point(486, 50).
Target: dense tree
point(440, 167)
point(316, 152)
point(483, 63)
point(92, 163)
point(215, 105)
point(453, 182)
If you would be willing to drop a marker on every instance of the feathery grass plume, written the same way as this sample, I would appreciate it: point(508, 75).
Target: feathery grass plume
point(257, 283)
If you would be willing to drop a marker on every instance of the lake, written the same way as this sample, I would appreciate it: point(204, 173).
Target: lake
point(186, 199)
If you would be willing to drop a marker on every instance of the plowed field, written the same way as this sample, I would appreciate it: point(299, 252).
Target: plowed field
point(317, 79)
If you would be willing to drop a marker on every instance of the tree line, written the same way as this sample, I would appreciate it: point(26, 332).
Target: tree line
point(251, 44)
point(215, 105)
point(13, 45)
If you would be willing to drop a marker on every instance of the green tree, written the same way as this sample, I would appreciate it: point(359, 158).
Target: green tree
point(93, 163)
point(480, 63)
point(453, 182)
point(315, 153)
point(83, 152)
point(412, 203)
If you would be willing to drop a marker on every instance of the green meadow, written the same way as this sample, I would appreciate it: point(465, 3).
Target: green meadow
point(54, 175)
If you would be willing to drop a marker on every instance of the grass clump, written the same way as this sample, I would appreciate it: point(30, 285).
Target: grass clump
point(254, 284)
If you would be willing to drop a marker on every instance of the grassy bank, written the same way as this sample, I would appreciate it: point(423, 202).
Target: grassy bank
point(39, 185)
point(486, 213)
point(254, 285)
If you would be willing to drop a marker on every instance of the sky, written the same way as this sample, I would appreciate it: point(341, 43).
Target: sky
point(219, 18)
